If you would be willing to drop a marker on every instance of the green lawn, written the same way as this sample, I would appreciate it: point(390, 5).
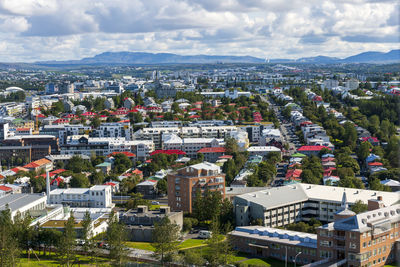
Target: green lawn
point(190, 243)
point(141, 245)
point(265, 262)
point(51, 260)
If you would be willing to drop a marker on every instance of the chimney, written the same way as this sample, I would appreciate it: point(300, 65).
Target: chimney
point(374, 204)
point(48, 187)
point(142, 209)
point(165, 210)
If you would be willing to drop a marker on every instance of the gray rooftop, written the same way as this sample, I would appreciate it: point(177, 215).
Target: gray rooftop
point(18, 201)
point(285, 195)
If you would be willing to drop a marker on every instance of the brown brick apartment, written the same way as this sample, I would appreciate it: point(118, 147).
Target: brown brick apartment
point(184, 183)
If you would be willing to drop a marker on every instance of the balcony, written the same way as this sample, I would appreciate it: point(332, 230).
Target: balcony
point(340, 247)
point(339, 237)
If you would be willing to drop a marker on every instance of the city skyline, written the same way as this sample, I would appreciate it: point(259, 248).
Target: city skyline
point(35, 30)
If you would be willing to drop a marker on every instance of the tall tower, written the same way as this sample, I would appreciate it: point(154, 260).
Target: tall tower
point(48, 187)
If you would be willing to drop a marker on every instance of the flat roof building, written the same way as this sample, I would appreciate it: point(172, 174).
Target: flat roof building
point(279, 206)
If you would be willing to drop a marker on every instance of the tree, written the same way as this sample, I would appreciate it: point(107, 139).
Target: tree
point(359, 207)
point(308, 177)
point(97, 178)
point(116, 238)
point(38, 184)
point(66, 246)
point(79, 180)
point(266, 171)
point(375, 184)
point(222, 251)
point(193, 257)
point(363, 150)
point(231, 146)
point(95, 123)
point(165, 237)
point(274, 157)
point(136, 200)
point(9, 250)
point(162, 186)
point(87, 232)
point(351, 182)
point(77, 165)
point(350, 135)
point(122, 162)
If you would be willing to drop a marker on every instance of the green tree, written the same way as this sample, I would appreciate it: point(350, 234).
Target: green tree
point(363, 150)
point(122, 162)
point(162, 186)
point(359, 207)
point(375, 184)
point(97, 178)
point(231, 146)
point(222, 251)
point(274, 157)
point(79, 180)
point(165, 238)
point(87, 229)
point(38, 184)
point(308, 177)
point(9, 249)
point(193, 257)
point(116, 237)
point(95, 122)
point(66, 246)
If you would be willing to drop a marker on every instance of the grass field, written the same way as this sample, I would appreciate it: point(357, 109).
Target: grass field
point(141, 245)
point(190, 243)
point(51, 260)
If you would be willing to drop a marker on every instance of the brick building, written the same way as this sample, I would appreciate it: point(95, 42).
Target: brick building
point(184, 183)
point(366, 239)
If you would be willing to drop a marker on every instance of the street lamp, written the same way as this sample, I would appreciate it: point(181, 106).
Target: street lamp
point(296, 258)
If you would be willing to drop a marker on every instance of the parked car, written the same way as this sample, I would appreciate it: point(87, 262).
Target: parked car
point(204, 234)
point(155, 203)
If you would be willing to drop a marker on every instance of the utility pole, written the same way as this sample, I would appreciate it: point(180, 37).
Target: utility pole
point(286, 257)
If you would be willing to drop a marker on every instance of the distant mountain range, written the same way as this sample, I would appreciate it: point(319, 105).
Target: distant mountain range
point(168, 58)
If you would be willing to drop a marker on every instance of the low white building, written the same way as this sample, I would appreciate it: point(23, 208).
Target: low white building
point(98, 196)
point(262, 150)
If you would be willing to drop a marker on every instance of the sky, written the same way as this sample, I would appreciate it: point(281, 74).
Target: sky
point(35, 30)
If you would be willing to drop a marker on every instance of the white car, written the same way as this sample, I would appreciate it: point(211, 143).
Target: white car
point(204, 234)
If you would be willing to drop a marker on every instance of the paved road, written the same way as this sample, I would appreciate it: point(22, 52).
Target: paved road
point(285, 129)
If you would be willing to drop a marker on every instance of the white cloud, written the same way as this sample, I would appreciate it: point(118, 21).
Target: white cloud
point(58, 29)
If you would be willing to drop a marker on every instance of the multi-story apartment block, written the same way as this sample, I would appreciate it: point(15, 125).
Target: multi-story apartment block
point(279, 206)
point(189, 145)
point(103, 146)
point(113, 129)
point(98, 196)
point(366, 239)
point(156, 134)
point(184, 183)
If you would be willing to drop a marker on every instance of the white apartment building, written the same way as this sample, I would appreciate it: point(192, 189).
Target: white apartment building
point(189, 145)
point(98, 196)
point(268, 135)
point(279, 206)
point(69, 130)
point(85, 145)
point(113, 129)
point(155, 134)
point(262, 150)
